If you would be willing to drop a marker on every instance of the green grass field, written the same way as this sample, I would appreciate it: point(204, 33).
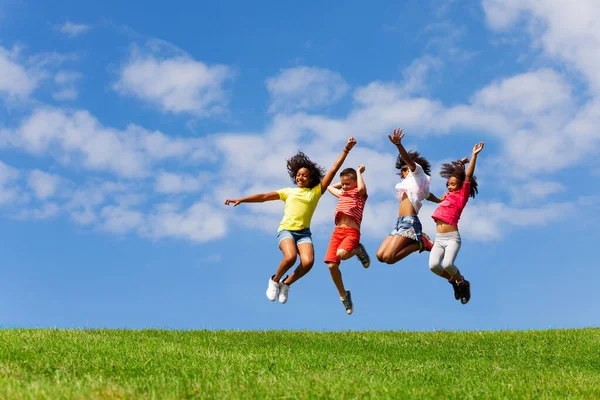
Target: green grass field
point(157, 364)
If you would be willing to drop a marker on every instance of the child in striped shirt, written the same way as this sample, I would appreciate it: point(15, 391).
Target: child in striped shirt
point(345, 240)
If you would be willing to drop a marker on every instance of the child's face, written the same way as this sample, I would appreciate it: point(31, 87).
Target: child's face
point(347, 183)
point(404, 171)
point(303, 177)
point(453, 184)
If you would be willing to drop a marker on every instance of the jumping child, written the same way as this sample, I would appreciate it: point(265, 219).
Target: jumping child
point(407, 236)
point(460, 186)
point(345, 240)
point(294, 235)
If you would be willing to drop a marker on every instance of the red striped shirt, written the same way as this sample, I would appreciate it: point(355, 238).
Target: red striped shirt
point(351, 203)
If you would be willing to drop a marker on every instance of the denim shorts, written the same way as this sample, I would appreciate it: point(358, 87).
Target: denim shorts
point(301, 236)
point(408, 226)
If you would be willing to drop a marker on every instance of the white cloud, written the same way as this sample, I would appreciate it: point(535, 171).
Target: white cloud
point(494, 220)
point(86, 199)
point(46, 211)
point(121, 220)
point(66, 82)
point(305, 88)
point(199, 223)
point(535, 190)
point(8, 190)
point(8, 174)
point(569, 34)
point(72, 29)
point(168, 182)
point(43, 184)
point(529, 94)
point(65, 94)
point(77, 137)
point(16, 80)
point(177, 84)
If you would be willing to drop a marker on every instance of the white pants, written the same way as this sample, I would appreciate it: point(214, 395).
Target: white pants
point(444, 252)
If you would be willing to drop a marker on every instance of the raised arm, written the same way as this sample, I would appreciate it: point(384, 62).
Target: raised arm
point(360, 183)
point(471, 170)
point(396, 138)
point(335, 189)
point(337, 164)
point(255, 198)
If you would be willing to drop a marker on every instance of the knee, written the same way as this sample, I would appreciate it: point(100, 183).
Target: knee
point(450, 268)
point(342, 254)
point(436, 269)
point(290, 259)
point(382, 256)
point(307, 263)
point(333, 266)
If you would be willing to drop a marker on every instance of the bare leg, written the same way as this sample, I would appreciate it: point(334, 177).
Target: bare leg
point(336, 275)
point(406, 250)
point(383, 248)
point(307, 259)
point(344, 255)
point(290, 253)
point(395, 248)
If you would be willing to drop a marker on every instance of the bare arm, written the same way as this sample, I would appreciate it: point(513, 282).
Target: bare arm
point(337, 164)
point(471, 170)
point(360, 183)
point(434, 199)
point(335, 189)
point(396, 138)
point(255, 198)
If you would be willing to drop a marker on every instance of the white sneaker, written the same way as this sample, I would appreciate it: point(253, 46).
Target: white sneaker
point(272, 290)
point(283, 292)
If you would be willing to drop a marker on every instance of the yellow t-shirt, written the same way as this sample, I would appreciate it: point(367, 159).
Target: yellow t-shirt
point(300, 205)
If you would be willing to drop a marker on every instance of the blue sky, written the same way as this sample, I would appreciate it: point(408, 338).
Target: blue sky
point(124, 126)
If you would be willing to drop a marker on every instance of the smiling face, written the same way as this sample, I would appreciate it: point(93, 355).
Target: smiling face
point(453, 184)
point(347, 183)
point(303, 178)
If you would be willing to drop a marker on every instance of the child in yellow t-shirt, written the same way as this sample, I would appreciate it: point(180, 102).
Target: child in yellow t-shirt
point(294, 234)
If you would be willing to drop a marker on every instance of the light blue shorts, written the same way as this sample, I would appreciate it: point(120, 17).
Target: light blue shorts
point(408, 226)
point(301, 236)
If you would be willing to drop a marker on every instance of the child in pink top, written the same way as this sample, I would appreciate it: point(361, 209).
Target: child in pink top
point(460, 186)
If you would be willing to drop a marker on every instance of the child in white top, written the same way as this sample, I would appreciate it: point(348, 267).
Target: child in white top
point(407, 236)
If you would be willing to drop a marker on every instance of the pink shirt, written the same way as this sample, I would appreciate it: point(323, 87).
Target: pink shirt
point(351, 203)
point(452, 206)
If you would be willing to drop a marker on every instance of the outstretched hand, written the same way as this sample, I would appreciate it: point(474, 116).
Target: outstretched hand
point(396, 138)
point(350, 144)
point(361, 168)
point(477, 148)
point(234, 202)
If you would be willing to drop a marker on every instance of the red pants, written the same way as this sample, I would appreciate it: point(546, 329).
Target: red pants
point(342, 238)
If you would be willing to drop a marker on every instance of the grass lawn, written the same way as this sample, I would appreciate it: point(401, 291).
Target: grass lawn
point(157, 364)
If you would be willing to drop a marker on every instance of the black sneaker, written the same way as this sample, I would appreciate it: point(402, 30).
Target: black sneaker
point(465, 291)
point(347, 301)
point(363, 256)
point(456, 289)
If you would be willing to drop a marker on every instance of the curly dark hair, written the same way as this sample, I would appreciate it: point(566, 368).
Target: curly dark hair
point(417, 158)
point(301, 160)
point(457, 169)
